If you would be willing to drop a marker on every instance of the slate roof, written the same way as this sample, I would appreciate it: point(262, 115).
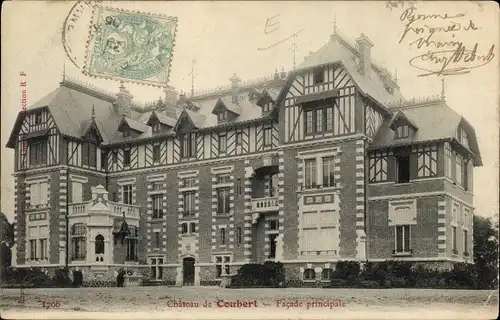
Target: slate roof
point(435, 121)
point(164, 119)
point(229, 105)
point(339, 50)
point(71, 108)
point(136, 125)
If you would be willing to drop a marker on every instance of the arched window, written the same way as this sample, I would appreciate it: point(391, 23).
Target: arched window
point(99, 244)
point(326, 274)
point(78, 241)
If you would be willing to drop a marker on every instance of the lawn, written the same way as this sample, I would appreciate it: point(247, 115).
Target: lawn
point(215, 302)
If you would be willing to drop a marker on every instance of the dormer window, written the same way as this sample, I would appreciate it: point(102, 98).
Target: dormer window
point(402, 131)
point(462, 137)
point(319, 76)
point(222, 115)
point(268, 106)
point(156, 127)
point(126, 133)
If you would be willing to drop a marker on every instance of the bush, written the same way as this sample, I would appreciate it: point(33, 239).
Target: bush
point(269, 274)
point(348, 270)
point(61, 278)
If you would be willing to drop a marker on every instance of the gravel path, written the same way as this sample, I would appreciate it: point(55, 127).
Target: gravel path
point(205, 302)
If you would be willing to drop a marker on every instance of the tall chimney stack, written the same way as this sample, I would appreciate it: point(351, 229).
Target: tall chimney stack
point(364, 48)
point(235, 83)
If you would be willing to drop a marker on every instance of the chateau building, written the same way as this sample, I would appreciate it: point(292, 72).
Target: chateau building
point(324, 163)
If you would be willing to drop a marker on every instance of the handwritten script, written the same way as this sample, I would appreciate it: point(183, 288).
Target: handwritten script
point(437, 37)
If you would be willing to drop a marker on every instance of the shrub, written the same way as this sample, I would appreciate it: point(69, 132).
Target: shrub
point(61, 278)
point(348, 270)
point(269, 274)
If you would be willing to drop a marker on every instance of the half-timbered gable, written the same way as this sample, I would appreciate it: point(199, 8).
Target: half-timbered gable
point(35, 137)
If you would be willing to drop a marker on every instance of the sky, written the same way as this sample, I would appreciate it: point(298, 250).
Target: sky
point(224, 38)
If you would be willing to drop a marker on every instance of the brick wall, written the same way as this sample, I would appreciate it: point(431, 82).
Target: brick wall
point(423, 235)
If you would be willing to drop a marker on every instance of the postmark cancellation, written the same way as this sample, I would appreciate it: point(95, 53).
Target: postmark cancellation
point(130, 46)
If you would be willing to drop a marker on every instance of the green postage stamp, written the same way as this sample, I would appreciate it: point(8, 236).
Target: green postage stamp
point(130, 46)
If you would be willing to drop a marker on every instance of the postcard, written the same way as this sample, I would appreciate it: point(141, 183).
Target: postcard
point(249, 159)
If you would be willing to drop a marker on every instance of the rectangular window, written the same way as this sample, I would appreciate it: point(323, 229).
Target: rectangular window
point(223, 200)
point(127, 194)
point(274, 225)
point(38, 152)
point(329, 119)
point(309, 274)
point(239, 187)
point(223, 178)
point(222, 143)
point(157, 240)
point(115, 156)
point(466, 243)
point(402, 131)
point(319, 76)
point(427, 161)
point(157, 206)
point(448, 160)
point(403, 239)
point(377, 162)
point(454, 239)
point(189, 202)
point(328, 172)
point(157, 186)
point(77, 192)
point(43, 249)
point(458, 168)
point(310, 173)
point(126, 157)
point(188, 145)
point(309, 121)
point(222, 236)
point(238, 236)
point(239, 137)
point(268, 136)
point(402, 168)
point(39, 194)
point(33, 251)
point(104, 159)
point(156, 153)
point(189, 182)
point(319, 120)
point(272, 246)
point(222, 264)
point(89, 156)
point(38, 117)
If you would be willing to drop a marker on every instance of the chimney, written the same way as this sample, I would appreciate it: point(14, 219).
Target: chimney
point(123, 101)
point(235, 83)
point(170, 96)
point(364, 49)
point(182, 98)
point(389, 83)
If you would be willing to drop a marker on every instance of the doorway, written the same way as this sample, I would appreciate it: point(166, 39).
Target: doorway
point(188, 271)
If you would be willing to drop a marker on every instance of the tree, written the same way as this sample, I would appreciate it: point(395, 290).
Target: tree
point(486, 251)
point(6, 241)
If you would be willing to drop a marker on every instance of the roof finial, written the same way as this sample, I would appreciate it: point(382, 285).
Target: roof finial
point(193, 75)
point(294, 47)
point(442, 89)
point(93, 112)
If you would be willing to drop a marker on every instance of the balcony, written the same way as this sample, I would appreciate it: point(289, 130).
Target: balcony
point(265, 204)
point(116, 209)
